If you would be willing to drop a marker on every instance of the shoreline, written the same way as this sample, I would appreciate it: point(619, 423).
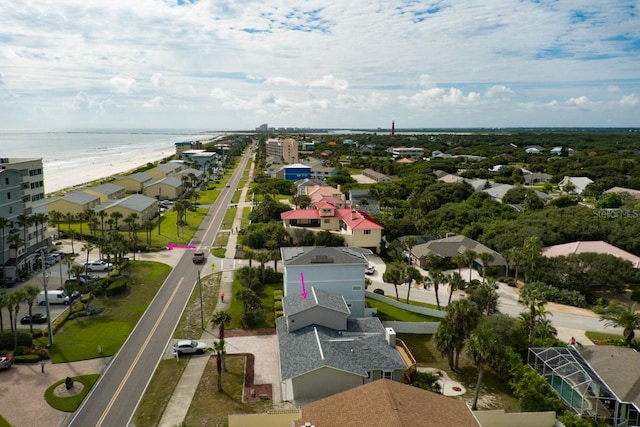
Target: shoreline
point(67, 179)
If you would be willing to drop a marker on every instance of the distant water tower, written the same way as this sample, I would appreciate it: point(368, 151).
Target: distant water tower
point(393, 128)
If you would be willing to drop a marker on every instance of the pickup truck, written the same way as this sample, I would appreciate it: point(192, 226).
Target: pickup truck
point(6, 361)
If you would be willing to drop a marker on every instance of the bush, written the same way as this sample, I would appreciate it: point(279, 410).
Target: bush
point(253, 317)
point(560, 296)
point(27, 358)
point(271, 276)
point(279, 313)
point(7, 339)
point(277, 305)
point(378, 291)
point(277, 295)
point(116, 288)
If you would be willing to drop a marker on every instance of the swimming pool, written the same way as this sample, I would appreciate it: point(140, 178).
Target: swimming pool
point(569, 395)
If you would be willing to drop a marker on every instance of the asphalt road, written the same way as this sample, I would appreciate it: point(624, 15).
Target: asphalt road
point(113, 400)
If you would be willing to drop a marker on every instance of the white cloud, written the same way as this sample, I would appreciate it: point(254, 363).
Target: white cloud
point(613, 89)
point(499, 92)
point(330, 82)
point(581, 103)
point(157, 79)
point(122, 84)
point(282, 81)
point(155, 102)
point(632, 100)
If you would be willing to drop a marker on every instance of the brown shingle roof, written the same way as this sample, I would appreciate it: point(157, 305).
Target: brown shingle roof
point(386, 403)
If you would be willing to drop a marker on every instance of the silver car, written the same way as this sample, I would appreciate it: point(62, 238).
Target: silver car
point(189, 347)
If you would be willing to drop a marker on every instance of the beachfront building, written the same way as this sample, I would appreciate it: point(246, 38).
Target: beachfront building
point(170, 188)
point(145, 208)
point(73, 203)
point(22, 196)
point(414, 153)
point(183, 146)
point(194, 176)
point(106, 191)
point(164, 170)
point(135, 182)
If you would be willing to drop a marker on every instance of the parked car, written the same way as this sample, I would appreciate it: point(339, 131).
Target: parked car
point(74, 296)
point(370, 269)
point(59, 256)
point(189, 347)
point(85, 278)
point(6, 360)
point(36, 318)
point(98, 265)
point(7, 282)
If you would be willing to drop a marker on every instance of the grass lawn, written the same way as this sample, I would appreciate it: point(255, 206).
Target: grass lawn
point(266, 300)
point(79, 338)
point(3, 422)
point(236, 196)
point(229, 216)
point(416, 303)
point(211, 407)
point(245, 217)
point(208, 197)
point(190, 324)
point(388, 312)
point(71, 403)
point(494, 394)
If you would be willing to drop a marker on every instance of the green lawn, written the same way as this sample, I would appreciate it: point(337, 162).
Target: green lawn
point(229, 216)
point(266, 302)
point(416, 303)
point(79, 338)
point(388, 312)
point(71, 403)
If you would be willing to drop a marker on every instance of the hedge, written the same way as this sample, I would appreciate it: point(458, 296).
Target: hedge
point(116, 287)
point(7, 340)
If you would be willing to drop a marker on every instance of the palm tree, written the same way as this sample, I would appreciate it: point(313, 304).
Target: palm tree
point(31, 293)
point(115, 215)
point(436, 278)
point(221, 319)
point(409, 242)
point(24, 221)
point(218, 346)
point(102, 215)
point(15, 299)
point(461, 318)
point(533, 299)
point(485, 258)
point(56, 217)
point(4, 302)
point(455, 282)
point(262, 257)
point(88, 247)
point(460, 261)
point(446, 339)
point(39, 219)
point(395, 273)
point(470, 256)
point(627, 318)
point(411, 274)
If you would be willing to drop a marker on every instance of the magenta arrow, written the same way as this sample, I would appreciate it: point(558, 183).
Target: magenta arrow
point(304, 290)
point(171, 246)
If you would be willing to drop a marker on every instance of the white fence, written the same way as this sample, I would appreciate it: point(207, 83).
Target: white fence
point(412, 327)
point(413, 308)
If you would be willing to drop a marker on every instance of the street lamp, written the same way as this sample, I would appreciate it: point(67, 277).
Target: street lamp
point(46, 299)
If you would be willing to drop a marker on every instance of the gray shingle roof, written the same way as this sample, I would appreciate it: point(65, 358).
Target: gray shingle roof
point(293, 304)
point(135, 202)
point(308, 255)
point(80, 197)
point(106, 188)
point(361, 348)
point(139, 176)
point(169, 180)
point(618, 367)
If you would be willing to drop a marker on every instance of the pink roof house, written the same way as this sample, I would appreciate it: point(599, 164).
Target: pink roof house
point(599, 247)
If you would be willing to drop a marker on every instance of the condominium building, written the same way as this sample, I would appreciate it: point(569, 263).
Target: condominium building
point(21, 198)
point(285, 149)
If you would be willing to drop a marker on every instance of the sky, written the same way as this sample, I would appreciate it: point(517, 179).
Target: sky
point(349, 64)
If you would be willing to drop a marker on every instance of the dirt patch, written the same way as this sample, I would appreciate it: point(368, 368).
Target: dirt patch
point(254, 392)
point(61, 390)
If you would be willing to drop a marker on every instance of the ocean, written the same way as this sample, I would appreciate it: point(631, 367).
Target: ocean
point(79, 156)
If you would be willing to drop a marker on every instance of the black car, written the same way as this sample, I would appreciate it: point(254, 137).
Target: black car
point(7, 282)
point(37, 318)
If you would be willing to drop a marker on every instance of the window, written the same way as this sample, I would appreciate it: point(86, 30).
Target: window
point(327, 221)
point(356, 288)
point(387, 375)
point(367, 231)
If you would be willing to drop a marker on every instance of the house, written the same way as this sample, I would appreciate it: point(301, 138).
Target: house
point(106, 191)
point(628, 192)
point(536, 177)
point(323, 172)
point(574, 184)
point(595, 381)
point(414, 153)
point(73, 203)
point(294, 172)
point(301, 185)
point(319, 193)
point(386, 403)
point(134, 183)
point(498, 191)
point(144, 207)
point(192, 173)
point(405, 160)
point(376, 176)
point(356, 227)
point(599, 247)
point(164, 170)
point(452, 246)
point(362, 200)
point(339, 270)
point(534, 149)
point(330, 352)
point(165, 188)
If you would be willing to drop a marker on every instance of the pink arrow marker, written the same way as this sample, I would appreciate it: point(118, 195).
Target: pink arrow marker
point(304, 290)
point(171, 246)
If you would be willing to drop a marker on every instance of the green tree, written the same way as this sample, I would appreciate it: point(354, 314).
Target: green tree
point(456, 282)
point(534, 300)
point(628, 318)
point(4, 302)
point(220, 319)
point(218, 346)
point(411, 274)
point(488, 346)
point(485, 258)
point(470, 256)
point(436, 277)
point(395, 273)
point(31, 293)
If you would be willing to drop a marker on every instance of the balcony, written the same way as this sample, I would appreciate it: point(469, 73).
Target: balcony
point(408, 359)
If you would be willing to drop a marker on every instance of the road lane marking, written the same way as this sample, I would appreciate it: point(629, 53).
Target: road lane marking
point(135, 361)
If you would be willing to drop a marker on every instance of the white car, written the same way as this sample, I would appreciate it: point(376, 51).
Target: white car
point(189, 347)
point(370, 269)
point(98, 265)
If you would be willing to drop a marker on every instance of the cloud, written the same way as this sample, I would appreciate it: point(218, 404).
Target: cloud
point(122, 84)
point(438, 97)
point(499, 92)
point(581, 103)
point(330, 82)
point(157, 79)
point(613, 89)
point(155, 102)
point(282, 81)
point(83, 102)
point(632, 100)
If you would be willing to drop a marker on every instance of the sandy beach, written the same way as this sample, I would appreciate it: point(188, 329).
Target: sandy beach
point(57, 179)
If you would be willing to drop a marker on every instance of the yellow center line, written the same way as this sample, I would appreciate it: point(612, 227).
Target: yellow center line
point(135, 361)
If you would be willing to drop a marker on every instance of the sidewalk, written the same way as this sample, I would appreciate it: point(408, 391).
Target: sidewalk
point(178, 405)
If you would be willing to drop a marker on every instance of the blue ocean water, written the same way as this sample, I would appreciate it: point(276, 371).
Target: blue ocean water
point(67, 152)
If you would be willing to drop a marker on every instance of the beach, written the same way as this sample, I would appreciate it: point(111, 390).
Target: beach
point(59, 178)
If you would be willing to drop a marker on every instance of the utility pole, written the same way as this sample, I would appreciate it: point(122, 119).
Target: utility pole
point(201, 308)
point(159, 212)
point(46, 299)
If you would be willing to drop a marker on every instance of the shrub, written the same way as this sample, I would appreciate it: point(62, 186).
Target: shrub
point(27, 358)
point(560, 296)
point(253, 317)
point(279, 313)
point(7, 340)
point(277, 295)
point(116, 288)
point(277, 305)
point(378, 291)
